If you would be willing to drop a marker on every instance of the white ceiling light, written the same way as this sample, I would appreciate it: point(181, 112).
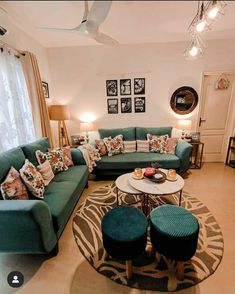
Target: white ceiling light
point(199, 23)
point(195, 49)
point(215, 8)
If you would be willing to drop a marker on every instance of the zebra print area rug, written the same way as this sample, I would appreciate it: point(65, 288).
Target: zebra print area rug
point(156, 274)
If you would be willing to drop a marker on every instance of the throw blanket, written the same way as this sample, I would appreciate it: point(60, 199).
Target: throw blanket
point(90, 154)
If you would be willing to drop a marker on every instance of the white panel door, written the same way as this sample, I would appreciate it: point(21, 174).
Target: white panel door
point(216, 117)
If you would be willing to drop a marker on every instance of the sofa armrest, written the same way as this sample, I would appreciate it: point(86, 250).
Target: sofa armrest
point(184, 151)
point(26, 227)
point(77, 157)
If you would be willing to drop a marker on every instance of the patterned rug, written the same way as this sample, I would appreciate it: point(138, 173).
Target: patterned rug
point(150, 273)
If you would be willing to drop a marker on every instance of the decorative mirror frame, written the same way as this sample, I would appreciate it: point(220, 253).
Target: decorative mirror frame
point(180, 90)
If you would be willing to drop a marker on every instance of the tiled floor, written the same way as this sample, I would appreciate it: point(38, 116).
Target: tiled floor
point(69, 273)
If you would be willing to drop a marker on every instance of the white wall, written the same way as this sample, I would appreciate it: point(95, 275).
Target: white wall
point(79, 73)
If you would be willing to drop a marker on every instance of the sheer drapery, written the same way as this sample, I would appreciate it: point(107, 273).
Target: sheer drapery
point(16, 121)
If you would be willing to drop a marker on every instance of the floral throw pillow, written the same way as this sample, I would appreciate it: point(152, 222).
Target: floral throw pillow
point(114, 145)
point(66, 154)
point(13, 188)
point(32, 179)
point(46, 172)
point(55, 157)
point(171, 144)
point(101, 147)
point(157, 143)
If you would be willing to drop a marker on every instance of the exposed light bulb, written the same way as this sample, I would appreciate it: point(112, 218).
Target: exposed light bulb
point(200, 26)
point(193, 51)
point(213, 12)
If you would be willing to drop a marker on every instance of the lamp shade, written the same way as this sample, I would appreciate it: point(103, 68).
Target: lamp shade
point(59, 112)
point(185, 124)
point(87, 127)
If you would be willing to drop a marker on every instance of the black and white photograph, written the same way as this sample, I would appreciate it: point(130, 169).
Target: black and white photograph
point(139, 86)
point(45, 89)
point(125, 87)
point(111, 87)
point(112, 105)
point(139, 104)
point(126, 106)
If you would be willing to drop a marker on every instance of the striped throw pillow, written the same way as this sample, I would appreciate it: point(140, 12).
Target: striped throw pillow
point(129, 146)
point(142, 146)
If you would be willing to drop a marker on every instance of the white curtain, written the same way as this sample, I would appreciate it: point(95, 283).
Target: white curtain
point(16, 121)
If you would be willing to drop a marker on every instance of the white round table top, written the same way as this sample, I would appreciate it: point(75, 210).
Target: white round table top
point(149, 187)
point(122, 183)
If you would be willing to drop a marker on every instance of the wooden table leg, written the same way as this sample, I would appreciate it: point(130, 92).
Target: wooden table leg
point(181, 191)
point(106, 255)
point(180, 270)
point(129, 269)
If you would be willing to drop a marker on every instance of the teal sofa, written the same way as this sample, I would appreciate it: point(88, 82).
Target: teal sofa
point(34, 226)
point(126, 162)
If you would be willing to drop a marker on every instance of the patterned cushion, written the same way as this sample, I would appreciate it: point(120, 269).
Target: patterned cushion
point(32, 179)
point(129, 146)
point(13, 188)
point(157, 143)
point(46, 172)
point(171, 144)
point(114, 145)
point(55, 157)
point(66, 154)
point(142, 146)
point(101, 147)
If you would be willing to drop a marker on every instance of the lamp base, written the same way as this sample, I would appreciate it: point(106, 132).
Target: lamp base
point(63, 135)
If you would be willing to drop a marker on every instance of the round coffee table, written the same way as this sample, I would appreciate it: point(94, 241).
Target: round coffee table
point(148, 187)
point(123, 185)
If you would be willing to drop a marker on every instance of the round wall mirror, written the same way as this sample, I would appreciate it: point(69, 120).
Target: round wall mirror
point(184, 100)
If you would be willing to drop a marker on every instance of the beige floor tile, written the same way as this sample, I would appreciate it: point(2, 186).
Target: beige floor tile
point(70, 273)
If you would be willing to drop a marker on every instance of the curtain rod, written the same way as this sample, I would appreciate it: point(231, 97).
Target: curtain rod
point(11, 47)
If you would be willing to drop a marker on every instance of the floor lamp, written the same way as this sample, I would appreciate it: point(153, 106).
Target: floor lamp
point(61, 113)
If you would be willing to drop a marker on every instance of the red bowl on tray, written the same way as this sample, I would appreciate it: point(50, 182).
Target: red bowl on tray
point(149, 172)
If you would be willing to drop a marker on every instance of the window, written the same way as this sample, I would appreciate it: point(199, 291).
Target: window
point(16, 121)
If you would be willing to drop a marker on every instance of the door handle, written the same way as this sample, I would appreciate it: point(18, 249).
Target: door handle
point(201, 120)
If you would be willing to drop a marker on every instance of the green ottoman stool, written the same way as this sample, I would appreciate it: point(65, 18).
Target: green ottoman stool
point(124, 231)
point(174, 234)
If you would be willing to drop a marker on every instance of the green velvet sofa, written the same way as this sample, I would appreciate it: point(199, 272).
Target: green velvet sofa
point(34, 226)
point(126, 162)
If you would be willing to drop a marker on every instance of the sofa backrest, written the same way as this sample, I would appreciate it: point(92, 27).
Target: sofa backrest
point(30, 149)
point(128, 133)
point(141, 133)
point(14, 157)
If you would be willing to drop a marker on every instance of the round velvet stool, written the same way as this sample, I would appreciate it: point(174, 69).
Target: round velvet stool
point(124, 232)
point(174, 234)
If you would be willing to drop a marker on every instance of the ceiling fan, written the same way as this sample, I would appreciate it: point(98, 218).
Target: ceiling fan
point(91, 21)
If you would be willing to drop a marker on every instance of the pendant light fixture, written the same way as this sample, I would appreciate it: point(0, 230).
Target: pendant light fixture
point(199, 24)
point(196, 48)
point(214, 9)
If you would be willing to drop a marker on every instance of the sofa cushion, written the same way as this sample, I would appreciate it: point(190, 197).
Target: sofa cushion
point(141, 133)
point(14, 157)
point(30, 149)
point(63, 192)
point(114, 145)
point(128, 133)
point(132, 160)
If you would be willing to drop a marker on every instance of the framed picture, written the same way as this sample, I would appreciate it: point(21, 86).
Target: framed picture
point(111, 87)
point(126, 105)
point(45, 89)
point(139, 86)
point(195, 137)
point(139, 104)
point(125, 87)
point(112, 105)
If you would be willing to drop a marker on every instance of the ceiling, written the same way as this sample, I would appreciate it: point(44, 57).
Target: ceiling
point(129, 22)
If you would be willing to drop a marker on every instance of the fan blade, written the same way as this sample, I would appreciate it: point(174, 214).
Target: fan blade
point(99, 11)
point(54, 29)
point(105, 39)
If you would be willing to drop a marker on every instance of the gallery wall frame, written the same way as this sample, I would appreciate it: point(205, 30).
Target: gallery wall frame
point(112, 105)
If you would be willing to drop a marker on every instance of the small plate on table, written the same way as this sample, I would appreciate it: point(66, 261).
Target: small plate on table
point(171, 179)
point(137, 178)
point(158, 177)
